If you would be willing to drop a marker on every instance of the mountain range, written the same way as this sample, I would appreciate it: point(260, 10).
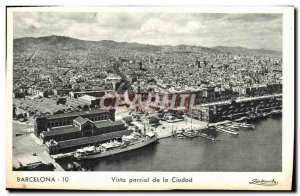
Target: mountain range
point(68, 43)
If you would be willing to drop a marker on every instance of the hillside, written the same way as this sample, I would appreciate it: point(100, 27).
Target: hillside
point(242, 50)
point(68, 43)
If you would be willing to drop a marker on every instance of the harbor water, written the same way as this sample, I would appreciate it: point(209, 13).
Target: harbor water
point(254, 150)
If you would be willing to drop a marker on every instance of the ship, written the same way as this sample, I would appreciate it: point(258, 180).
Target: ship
point(128, 143)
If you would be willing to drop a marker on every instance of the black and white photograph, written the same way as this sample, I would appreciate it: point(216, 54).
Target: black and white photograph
point(130, 90)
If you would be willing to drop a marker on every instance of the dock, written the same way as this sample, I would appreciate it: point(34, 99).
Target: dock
point(226, 131)
point(244, 125)
point(219, 123)
point(241, 119)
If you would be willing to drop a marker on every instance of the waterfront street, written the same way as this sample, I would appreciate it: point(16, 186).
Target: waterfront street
point(27, 148)
point(22, 127)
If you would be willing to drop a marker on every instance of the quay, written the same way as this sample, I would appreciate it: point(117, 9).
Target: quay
point(164, 130)
point(28, 151)
point(241, 108)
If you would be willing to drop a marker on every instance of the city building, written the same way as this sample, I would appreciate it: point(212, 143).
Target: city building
point(65, 119)
point(86, 128)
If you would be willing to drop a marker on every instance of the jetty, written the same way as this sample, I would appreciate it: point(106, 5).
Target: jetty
point(221, 129)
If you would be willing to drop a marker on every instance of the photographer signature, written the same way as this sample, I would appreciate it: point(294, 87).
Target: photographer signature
point(272, 182)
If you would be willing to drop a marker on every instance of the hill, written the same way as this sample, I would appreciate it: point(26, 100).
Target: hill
point(242, 50)
point(68, 43)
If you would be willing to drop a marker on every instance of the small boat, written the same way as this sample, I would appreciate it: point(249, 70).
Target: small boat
point(74, 166)
point(274, 112)
point(233, 126)
point(204, 135)
point(245, 125)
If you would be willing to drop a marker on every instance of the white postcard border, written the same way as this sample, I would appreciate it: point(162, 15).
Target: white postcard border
point(201, 180)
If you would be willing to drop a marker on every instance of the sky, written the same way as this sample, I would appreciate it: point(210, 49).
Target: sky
point(249, 30)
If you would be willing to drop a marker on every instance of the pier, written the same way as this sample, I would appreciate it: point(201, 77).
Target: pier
point(226, 131)
point(219, 123)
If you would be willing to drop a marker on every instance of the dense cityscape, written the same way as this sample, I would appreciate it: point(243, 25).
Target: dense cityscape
point(60, 66)
point(58, 83)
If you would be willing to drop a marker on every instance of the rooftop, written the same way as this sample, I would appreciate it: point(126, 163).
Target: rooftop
point(71, 128)
point(107, 123)
point(80, 120)
point(73, 114)
point(61, 130)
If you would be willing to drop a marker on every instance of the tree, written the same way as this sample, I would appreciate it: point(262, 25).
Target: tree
point(79, 107)
point(128, 119)
point(19, 95)
point(153, 119)
point(92, 106)
point(46, 93)
point(61, 101)
point(14, 110)
point(59, 112)
point(86, 107)
point(160, 115)
point(19, 116)
point(180, 113)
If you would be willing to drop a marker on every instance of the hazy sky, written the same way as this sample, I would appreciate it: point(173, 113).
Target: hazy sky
point(246, 30)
